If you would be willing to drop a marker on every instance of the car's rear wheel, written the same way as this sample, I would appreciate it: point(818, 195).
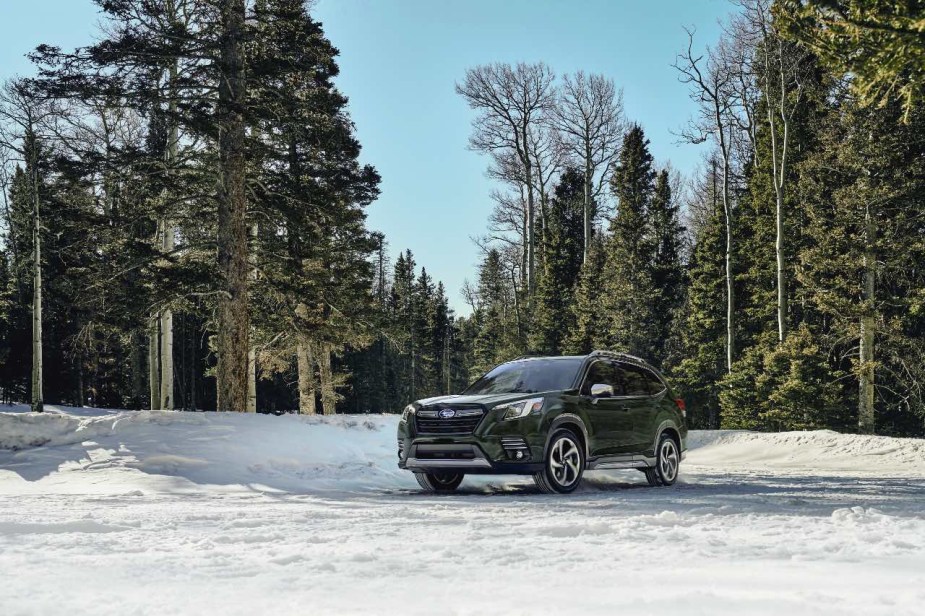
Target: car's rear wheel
point(564, 464)
point(667, 462)
point(439, 481)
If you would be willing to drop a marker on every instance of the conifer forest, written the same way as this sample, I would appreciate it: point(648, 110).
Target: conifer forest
point(184, 222)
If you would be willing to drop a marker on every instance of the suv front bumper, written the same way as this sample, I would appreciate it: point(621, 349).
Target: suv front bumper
point(468, 458)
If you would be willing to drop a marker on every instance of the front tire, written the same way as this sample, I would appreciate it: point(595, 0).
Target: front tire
point(439, 481)
point(564, 464)
point(667, 463)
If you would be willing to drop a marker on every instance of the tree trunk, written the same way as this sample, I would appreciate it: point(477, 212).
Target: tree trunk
point(306, 367)
point(866, 419)
point(531, 256)
point(328, 397)
point(587, 197)
point(166, 397)
point(167, 245)
point(778, 177)
point(781, 271)
point(154, 362)
point(730, 291)
point(252, 380)
point(38, 404)
point(138, 379)
point(79, 368)
point(252, 352)
point(233, 319)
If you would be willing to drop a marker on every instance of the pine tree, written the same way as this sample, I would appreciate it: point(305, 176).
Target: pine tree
point(492, 343)
point(788, 386)
point(668, 276)
point(629, 292)
point(553, 317)
point(864, 190)
point(703, 337)
point(587, 312)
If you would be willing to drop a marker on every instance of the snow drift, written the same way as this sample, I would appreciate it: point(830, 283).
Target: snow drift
point(295, 453)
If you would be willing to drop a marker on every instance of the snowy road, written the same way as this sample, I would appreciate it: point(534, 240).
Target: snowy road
point(167, 516)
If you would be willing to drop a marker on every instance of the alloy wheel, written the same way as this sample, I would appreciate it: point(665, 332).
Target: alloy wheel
point(668, 461)
point(564, 465)
point(565, 461)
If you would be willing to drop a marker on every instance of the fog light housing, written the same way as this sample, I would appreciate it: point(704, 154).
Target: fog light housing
point(516, 448)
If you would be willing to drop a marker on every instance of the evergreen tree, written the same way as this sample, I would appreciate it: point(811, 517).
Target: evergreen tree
point(864, 189)
point(492, 343)
point(668, 276)
point(629, 292)
point(587, 312)
point(703, 334)
point(553, 317)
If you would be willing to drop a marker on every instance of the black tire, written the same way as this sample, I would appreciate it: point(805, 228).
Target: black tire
point(439, 481)
point(563, 466)
point(667, 462)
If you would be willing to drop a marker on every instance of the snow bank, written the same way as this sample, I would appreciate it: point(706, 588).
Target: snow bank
point(290, 453)
point(813, 451)
point(179, 451)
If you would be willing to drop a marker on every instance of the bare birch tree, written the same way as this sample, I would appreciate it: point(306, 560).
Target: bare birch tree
point(22, 116)
point(710, 79)
point(511, 101)
point(588, 118)
point(778, 66)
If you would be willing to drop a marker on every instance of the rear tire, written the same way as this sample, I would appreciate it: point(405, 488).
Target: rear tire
point(667, 463)
point(563, 466)
point(439, 481)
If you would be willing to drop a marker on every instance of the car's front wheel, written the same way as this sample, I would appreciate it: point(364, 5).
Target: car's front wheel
point(439, 481)
point(564, 464)
point(667, 461)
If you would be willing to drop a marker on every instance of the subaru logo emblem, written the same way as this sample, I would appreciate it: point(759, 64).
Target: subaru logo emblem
point(447, 413)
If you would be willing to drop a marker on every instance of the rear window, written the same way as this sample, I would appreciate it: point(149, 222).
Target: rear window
point(529, 376)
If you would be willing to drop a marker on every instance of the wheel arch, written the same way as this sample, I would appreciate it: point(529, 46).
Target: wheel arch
point(575, 424)
point(669, 428)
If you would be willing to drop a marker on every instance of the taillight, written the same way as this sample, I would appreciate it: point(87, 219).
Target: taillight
point(681, 406)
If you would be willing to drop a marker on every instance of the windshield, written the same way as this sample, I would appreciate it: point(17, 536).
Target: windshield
point(528, 376)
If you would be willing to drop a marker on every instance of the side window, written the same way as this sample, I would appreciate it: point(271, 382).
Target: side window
point(655, 384)
point(640, 381)
point(604, 372)
point(636, 382)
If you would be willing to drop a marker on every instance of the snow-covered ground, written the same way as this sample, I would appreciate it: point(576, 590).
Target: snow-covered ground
point(105, 512)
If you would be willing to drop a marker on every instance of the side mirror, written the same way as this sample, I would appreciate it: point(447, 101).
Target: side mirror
point(600, 390)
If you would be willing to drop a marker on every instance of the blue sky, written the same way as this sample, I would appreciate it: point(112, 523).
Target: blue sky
point(399, 62)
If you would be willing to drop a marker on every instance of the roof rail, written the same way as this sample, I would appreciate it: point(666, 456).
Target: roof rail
point(614, 354)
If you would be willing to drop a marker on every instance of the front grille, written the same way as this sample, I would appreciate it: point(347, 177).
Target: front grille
point(464, 421)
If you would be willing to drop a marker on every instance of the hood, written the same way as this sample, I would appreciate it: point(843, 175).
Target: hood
point(486, 400)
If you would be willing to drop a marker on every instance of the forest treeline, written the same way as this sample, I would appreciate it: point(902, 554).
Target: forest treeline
point(185, 223)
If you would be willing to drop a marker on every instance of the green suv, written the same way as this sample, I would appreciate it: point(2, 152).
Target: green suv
point(550, 417)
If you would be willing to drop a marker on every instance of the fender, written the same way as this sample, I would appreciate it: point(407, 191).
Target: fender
point(658, 434)
point(567, 418)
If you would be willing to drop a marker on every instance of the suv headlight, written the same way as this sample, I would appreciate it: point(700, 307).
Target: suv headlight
point(408, 412)
point(521, 408)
